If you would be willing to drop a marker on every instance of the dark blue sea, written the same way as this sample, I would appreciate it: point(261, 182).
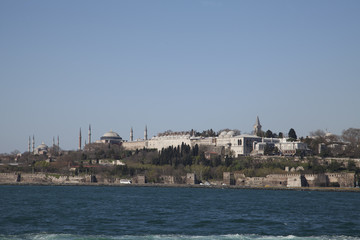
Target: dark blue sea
point(92, 212)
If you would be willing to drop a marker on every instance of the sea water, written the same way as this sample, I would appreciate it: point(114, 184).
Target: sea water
point(93, 212)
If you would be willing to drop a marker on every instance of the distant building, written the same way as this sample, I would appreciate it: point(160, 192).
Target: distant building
point(111, 137)
point(227, 143)
point(42, 149)
point(243, 145)
point(257, 127)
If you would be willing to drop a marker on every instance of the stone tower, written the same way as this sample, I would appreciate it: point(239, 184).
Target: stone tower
point(89, 134)
point(257, 127)
point(145, 133)
point(131, 134)
point(80, 139)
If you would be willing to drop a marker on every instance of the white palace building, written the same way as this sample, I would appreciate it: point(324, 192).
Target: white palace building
point(227, 141)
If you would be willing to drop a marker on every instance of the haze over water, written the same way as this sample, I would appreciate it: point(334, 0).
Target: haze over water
point(81, 212)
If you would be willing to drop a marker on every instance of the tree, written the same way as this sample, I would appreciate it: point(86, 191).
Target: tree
point(292, 134)
point(269, 134)
point(318, 134)
point(281, 135)
point(352, 135)
point(15, 152)
point(351, 166)
point(208, 133)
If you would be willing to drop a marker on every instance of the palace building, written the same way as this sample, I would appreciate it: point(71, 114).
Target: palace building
point(227, 142)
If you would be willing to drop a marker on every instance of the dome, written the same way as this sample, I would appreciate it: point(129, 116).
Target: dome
point(230, 134)
point(42, 146)
point(222, 134)
point(111, 137)
point(41, 149)
point(329, 134)
point(111, 134)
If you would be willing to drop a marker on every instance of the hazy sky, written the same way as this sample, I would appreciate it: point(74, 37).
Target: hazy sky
point(176, 65)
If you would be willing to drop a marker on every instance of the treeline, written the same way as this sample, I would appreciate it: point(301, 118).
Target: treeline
point(330, 145)
point(186, 156)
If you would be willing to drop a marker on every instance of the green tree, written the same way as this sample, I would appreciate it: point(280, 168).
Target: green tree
point(292, 134)
point(351, 166)
point(269, 134)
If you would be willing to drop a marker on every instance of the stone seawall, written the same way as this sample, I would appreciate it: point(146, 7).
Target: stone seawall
point(291, 180)
point(10, 178)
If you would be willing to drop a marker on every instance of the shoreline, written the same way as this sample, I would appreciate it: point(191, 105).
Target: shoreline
point(161, 185)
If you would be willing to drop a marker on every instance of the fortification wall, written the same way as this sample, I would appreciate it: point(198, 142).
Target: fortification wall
point(227, 178)
point(165, 142)
point(342, 179)
point(8, 177)
point(167, 179)
point(316, 180)
point(134, 145)
point(191, 178)
point(255, 182)
point(42, 178)
point(239, 179)
point(139, 179)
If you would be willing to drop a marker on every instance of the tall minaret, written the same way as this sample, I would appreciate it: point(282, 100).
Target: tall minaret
point(80, 139)
point(33, 144)
point(145, 133)
point(29, 144)
point(58, 143)
point(89, 135)
point(257, 127)
point(131, 135)
point(53, 142)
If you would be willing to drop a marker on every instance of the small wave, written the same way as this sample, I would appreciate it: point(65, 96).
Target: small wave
point(45, 236)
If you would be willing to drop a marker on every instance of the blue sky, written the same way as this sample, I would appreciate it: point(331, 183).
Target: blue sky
point(176, 65)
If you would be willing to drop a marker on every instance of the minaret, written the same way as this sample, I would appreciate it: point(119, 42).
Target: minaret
point(80, 139)
point(89, 135)
point(257, 127)
point(131, 134)
point(29, 144)
point(33, 144)
point(58, 143)
point(145, 133)
point(53, 142)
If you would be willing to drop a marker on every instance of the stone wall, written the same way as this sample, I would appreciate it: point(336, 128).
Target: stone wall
point(227, 178)
point(341, 179)
point(9, 177)
point(134, 145)
point(42, 178)
point(292, 180)
point(239, 179)
point(191, 178)
point(167, 179)
point(316, 180)
point(276, 180)
point(139, 179)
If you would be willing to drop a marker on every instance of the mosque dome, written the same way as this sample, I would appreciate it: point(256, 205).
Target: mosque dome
point(111, 137)
point(41, 149)
point(111, 134)
point(42, 146)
